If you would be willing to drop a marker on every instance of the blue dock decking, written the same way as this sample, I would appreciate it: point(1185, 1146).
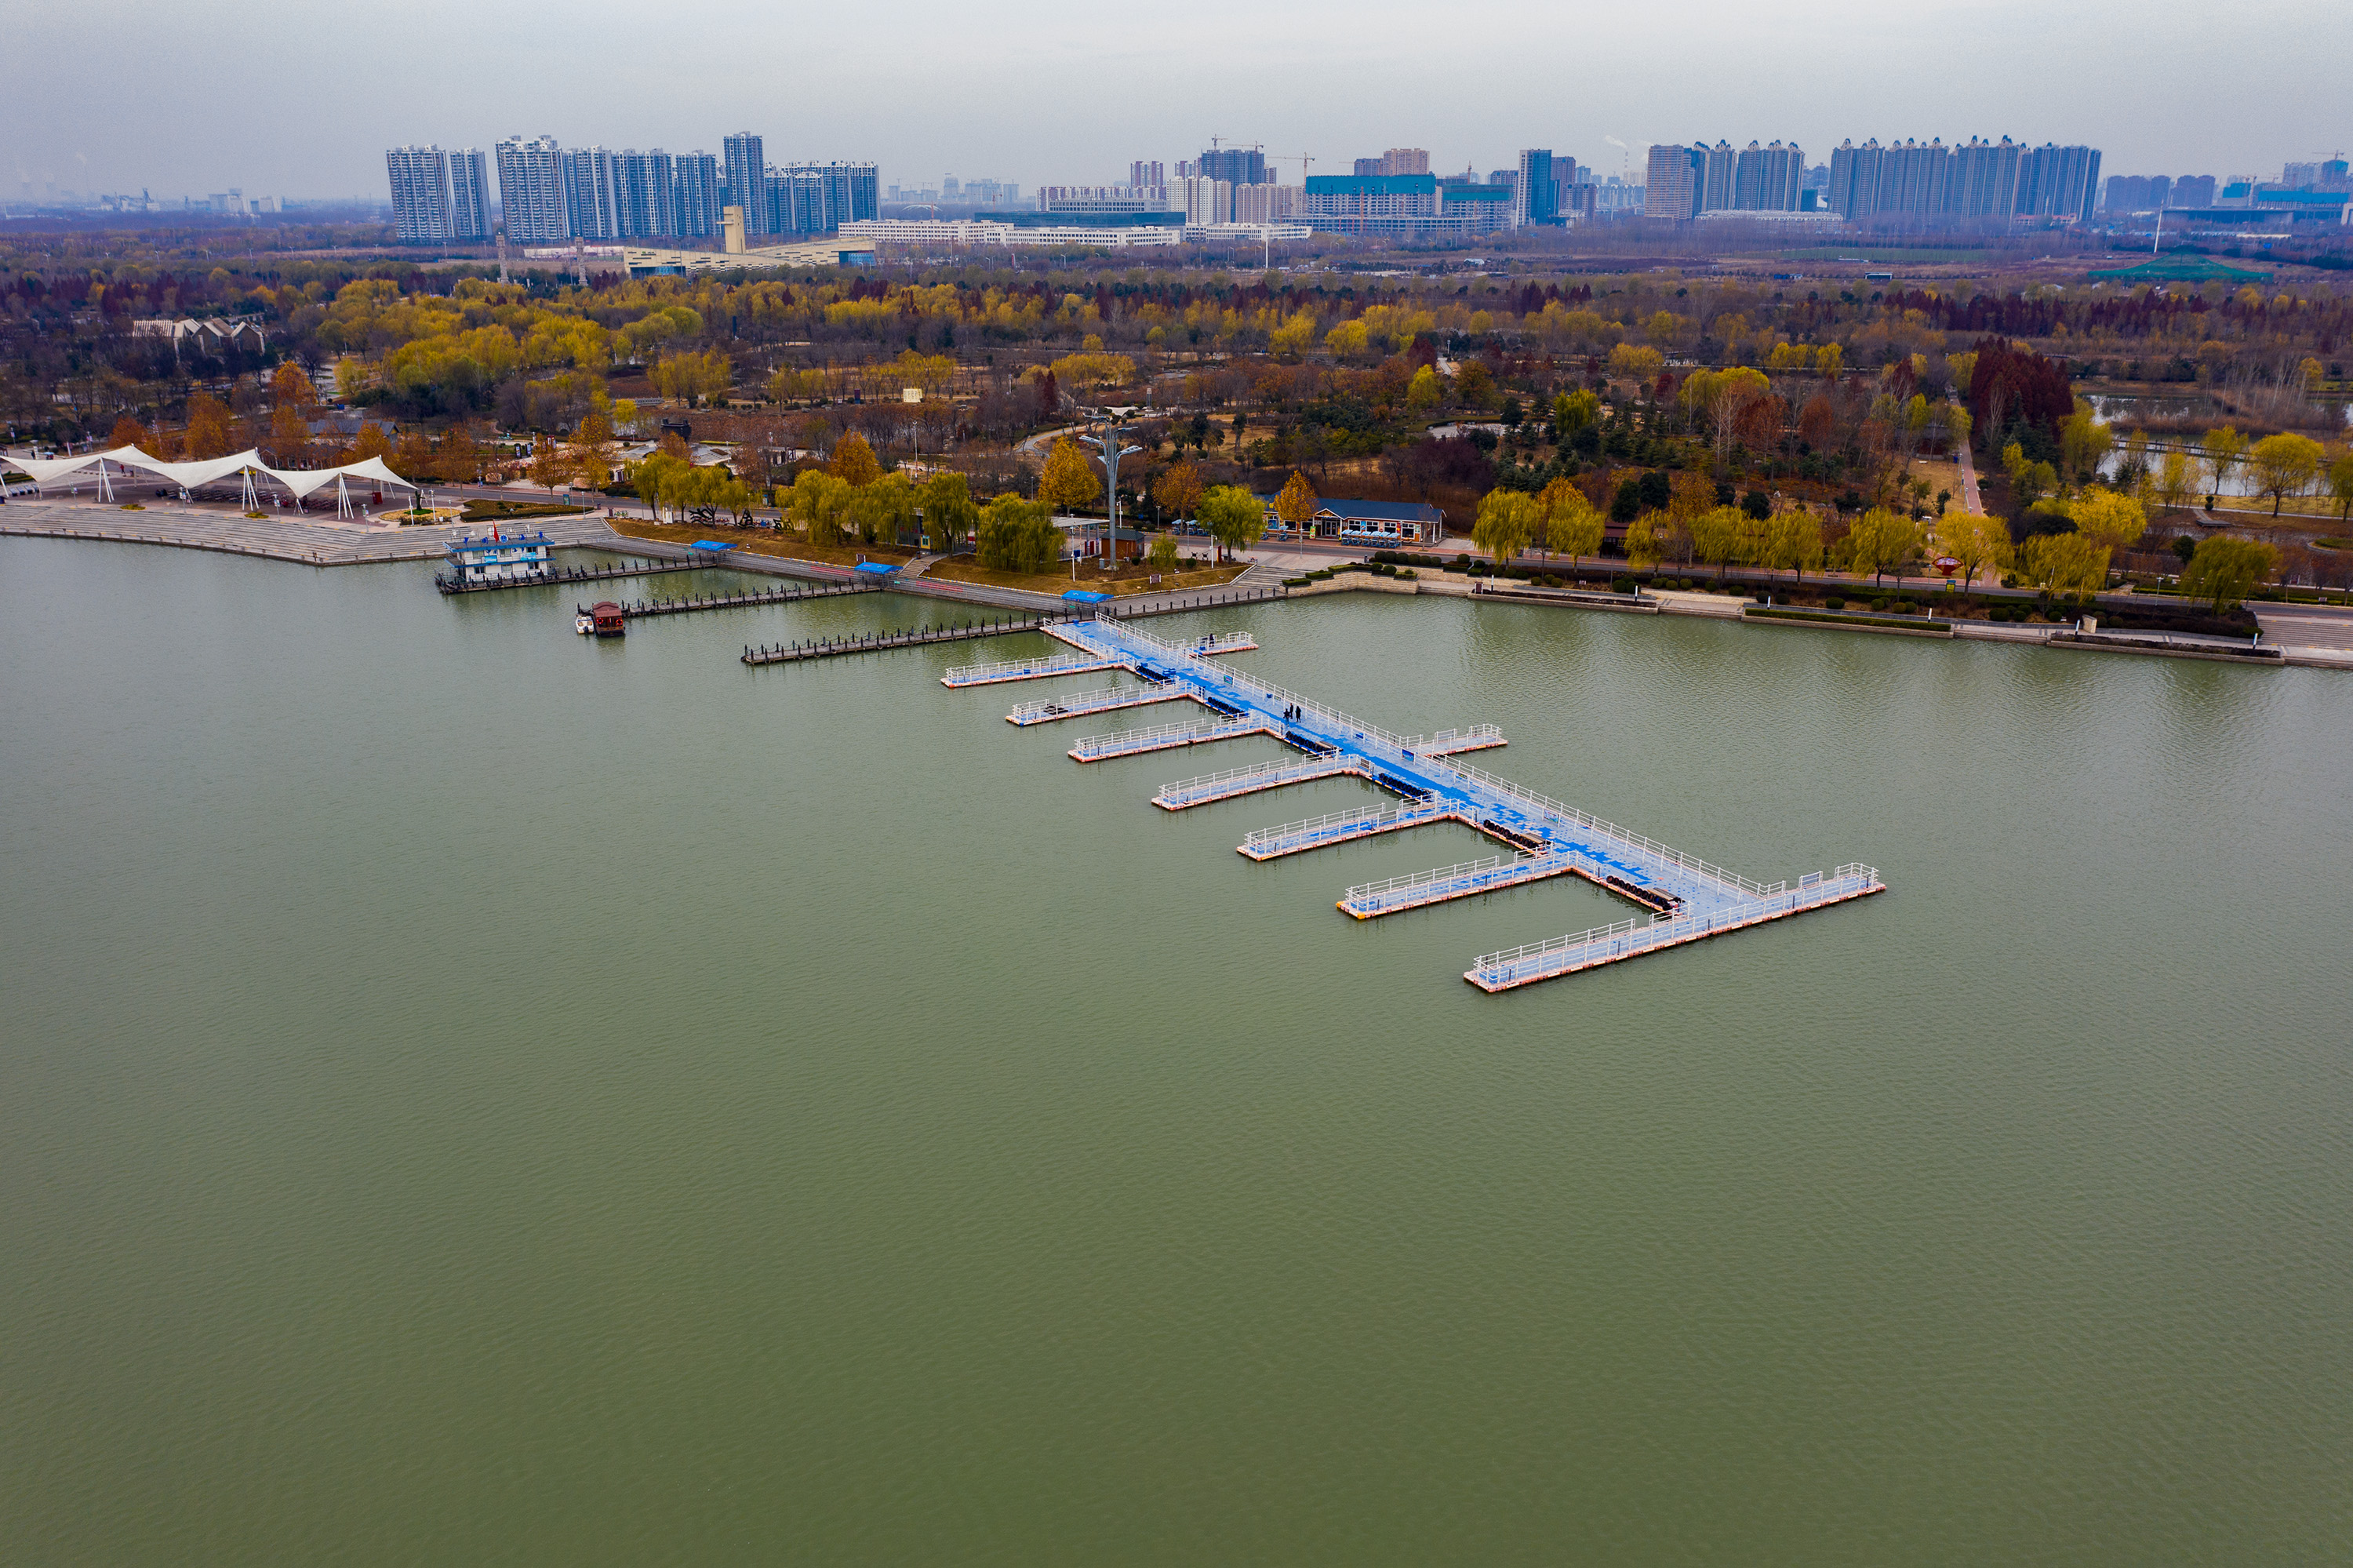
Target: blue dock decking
point(1688, 899)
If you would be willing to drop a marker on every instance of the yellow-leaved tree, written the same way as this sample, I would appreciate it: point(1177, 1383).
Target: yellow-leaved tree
point(1177, 491)
point(2108, 517)
point(2064, 563)
point(853, 461)
point(1296, 504)
point(1571, 525)
point(1979, 540)
point(1069, 480)
point(1507, 520)
point(1293, 336)
point(2284, 465)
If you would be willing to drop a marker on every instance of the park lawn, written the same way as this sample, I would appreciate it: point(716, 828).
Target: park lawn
point(764, 542)
point(966, 569)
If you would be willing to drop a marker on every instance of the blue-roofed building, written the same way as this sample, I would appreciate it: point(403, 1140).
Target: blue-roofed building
point(1378, 524)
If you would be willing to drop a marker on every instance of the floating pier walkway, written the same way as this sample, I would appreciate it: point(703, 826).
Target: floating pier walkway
point(1004, 626)
point(1686, 898)
point(651, 568)
point(647, 607)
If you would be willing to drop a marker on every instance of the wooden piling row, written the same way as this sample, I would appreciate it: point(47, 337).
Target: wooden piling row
point(880, 641)
point(645, 607)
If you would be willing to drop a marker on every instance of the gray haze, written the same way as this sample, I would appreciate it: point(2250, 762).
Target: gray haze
point(301, 100)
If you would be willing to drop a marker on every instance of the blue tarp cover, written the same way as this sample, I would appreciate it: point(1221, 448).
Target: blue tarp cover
point(879, 568)
point(1087, 596)
point(710, 544)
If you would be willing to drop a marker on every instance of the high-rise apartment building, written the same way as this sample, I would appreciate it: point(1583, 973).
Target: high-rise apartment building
point(1983, 182)
point(2323, 174)
point(1854, 189)
point(1979, 179)
point(747, 180)
point(1368, 169)
point(1672, 185)
point(1268, 204)
point(469, 195)
point(645, 194)
point(1204, 200)
point(1405, 161)
point(697, 176)
point(1144, 172)
point(2059, 182)
point(591, 205)
point(1766, 179)
point(1533, 198)
point(1717, 165)
point(420, 195)
point(1235, 165)
point(530, 190)
point(2193, 190)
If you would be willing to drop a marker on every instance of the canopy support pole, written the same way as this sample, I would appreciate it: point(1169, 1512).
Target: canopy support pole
point(342, 499)
point(251, 503)
point(105, 486)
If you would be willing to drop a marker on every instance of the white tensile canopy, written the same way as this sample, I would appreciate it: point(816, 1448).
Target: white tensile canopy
point(302, 481)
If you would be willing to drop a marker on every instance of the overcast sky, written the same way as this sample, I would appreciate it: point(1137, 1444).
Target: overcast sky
point(302, 100)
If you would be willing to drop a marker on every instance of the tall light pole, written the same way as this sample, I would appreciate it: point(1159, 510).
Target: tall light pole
point(1107, 446)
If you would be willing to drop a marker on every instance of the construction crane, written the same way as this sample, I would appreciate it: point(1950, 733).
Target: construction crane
point(1304, 159)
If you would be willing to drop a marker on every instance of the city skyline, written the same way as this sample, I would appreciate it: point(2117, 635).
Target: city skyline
point(1421, 80)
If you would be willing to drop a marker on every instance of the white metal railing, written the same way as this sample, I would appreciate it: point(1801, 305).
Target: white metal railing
point(1534, 960)
point(1167, 734)
point(1260, 774)
point(1545, 806)
point(1542, 806)
point(1332, 822)
point(1053, 664)
point(1348, 723)
point(1470, 871)
point(1432, 744)
point(1095, 702)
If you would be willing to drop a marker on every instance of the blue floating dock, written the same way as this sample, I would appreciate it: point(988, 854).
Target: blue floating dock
point(1687, 899)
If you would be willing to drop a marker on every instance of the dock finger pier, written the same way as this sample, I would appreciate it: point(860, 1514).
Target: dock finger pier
point(1681, 898)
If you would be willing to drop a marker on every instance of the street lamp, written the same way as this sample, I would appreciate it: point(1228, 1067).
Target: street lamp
point(1108, 448)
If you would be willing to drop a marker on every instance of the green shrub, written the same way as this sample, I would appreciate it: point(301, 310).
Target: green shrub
point(1833, 602)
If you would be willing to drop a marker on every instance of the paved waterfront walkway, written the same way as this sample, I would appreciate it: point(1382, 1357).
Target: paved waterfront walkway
point(308, 539)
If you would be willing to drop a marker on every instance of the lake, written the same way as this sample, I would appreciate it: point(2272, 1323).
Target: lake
point(473, 1092)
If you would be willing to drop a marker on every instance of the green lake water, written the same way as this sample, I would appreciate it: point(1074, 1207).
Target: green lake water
point(469, 1093)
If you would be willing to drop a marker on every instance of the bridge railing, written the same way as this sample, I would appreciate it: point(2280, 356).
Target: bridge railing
point(1331, 718)
point(1545, 806)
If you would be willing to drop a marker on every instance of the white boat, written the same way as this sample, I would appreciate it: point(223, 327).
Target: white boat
point(584, 624)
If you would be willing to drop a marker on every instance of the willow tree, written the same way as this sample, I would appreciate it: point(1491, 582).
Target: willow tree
point(1571, 525)
point(1233, 516)
point(1507, 521)
point(2225, 570)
